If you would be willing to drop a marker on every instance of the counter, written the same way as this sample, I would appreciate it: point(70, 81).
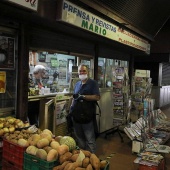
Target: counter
point(42, 108)
point(58, 95)
point(161, 94)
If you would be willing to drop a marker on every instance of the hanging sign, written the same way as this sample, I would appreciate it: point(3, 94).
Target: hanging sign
point(2, 81)
point(31, 4)
point(79, 17)
point(7, 52)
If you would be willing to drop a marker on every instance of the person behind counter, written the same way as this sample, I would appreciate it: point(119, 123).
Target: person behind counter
point(33, 106)
point(39, 73)
point(89, 89)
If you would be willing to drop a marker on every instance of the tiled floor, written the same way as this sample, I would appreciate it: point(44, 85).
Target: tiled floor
point(122, 156)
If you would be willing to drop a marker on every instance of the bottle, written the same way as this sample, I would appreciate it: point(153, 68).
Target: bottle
point(42, 91)
point(36, 90)
point(70, 66)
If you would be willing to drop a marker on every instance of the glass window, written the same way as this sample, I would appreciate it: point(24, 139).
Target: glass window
point(109, 74)
point(107, 71)
point(101, 72)
point(58, 69)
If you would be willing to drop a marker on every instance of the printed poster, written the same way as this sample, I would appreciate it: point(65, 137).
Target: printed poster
point(2, 81)
point(60, 112)
point(7, 52)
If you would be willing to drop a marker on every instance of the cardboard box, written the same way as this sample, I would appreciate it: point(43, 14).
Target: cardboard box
point(142, 73)
point(137, 146)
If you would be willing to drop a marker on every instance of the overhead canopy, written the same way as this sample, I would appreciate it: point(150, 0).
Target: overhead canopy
point(142, 16)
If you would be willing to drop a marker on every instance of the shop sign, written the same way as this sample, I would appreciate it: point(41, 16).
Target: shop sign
point(31, 4)
point(79, 17)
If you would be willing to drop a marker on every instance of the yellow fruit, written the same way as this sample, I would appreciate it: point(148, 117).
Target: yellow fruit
point(1, 132)
point(6, 130)
point(11, 120)
point(1, 125)
point(11, 129)
point(42, 154)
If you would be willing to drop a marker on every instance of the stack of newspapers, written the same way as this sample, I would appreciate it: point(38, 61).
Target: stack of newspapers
point(134, 131)
point(149, 159)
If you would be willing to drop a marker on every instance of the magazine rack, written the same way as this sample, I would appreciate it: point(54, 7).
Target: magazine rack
point(141, 92)
point(146, 137)
point(120, 100)
point(141, 107)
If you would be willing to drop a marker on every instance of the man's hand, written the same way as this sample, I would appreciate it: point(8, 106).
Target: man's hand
point(75, 96)
point(78, 97)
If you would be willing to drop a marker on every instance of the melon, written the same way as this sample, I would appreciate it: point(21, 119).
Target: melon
point(69, 141)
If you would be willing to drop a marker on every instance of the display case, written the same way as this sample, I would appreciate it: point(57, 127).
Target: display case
point(114, 91)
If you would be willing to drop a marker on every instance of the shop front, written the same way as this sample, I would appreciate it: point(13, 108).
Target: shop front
point(59, 54)
point(77, 36)
point(48, 105)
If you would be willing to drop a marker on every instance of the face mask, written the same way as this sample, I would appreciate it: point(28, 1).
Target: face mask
point(82, 76)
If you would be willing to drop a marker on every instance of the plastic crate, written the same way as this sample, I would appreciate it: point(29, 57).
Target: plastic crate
point(7, 165)
point(107, 166)
point(1, 142)
point(1, 147)
point(32, 162)
point(0, 157)
point(13, 153)
point(1, 153)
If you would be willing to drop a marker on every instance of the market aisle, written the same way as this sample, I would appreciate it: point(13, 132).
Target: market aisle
point(122, 156)
point(122, 152)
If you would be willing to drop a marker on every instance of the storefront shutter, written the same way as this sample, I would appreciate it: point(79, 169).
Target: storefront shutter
point(50, 40)
point(112, 53)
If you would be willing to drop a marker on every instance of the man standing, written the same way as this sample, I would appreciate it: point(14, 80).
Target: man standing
point(85, 89)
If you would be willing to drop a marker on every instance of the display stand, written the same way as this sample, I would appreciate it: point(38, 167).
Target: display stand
point(114, 130)
point(145, 138)
point(141, 93)
point(141, 107)
point(120, 100)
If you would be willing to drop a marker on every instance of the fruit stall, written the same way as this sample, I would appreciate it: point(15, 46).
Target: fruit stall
point(25, 147)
